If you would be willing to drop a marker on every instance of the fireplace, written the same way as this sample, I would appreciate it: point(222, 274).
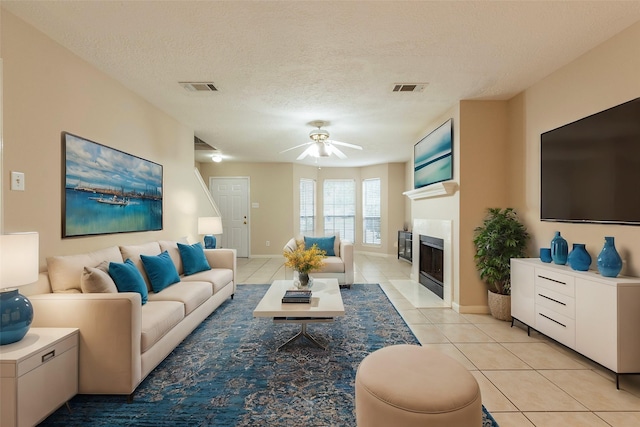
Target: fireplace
point(432, 264)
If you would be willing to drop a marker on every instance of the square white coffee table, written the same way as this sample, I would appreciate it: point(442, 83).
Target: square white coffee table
point(326, 304)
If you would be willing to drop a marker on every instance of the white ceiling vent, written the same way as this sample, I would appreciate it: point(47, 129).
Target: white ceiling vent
point(409, 87)
point(199, 86)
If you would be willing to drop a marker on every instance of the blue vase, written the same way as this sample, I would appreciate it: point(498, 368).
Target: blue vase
point(559, 249)
point(579, 259)
point(609, 261)
point(16, 314)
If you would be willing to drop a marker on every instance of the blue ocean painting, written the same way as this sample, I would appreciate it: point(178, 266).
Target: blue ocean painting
point(109, 191)
point(433, 160)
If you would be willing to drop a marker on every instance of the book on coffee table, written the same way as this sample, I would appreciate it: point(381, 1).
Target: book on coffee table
point(297, 296)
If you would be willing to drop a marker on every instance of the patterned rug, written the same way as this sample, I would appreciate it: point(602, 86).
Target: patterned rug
point(228, 372)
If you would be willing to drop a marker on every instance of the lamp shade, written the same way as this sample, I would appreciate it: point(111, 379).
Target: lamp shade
point(18, 259)
point(210, 225)
point(18, 266)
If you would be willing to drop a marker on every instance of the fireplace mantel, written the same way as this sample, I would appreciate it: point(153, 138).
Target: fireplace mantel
point(433, 190)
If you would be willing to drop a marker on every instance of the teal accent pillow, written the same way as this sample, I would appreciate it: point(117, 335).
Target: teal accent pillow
point(160, 270)
point(128, 278)
point(193, 259)
point(324, 244)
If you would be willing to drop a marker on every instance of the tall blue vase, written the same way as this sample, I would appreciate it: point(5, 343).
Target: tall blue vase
point(559, 249)
point(579, 259)
point(609, 261)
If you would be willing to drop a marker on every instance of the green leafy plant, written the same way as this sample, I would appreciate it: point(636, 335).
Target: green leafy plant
point(501, 237)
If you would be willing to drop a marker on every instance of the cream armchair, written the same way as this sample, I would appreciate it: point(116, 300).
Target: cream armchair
point(338, 265)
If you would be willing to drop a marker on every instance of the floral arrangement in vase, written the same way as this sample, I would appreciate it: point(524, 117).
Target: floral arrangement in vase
point(305, 260)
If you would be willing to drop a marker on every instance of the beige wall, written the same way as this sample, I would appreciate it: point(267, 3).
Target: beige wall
point(47, 90)
point(602, 78)
point(484, 183)
point(275, 187)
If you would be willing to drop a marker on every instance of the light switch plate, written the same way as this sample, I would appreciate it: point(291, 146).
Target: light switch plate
point(17, 181)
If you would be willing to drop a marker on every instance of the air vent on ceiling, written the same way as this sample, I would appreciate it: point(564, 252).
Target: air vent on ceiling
point(409, 87)
point(201, 145)
point(199, 86)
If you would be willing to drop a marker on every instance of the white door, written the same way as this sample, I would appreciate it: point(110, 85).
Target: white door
point(232, 197)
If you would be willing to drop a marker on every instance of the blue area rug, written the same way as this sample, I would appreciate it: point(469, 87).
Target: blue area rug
point(228, 372)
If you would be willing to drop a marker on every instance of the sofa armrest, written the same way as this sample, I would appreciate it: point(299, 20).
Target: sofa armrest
point(223, 258)
point(110, 335)
point(346, 254)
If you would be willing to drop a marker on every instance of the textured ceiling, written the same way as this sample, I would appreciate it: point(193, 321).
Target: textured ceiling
point(281, 65)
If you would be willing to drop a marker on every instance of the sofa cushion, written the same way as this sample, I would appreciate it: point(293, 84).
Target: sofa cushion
point(171, 246)
point(128, 278)
point(219, 277)
point(97, 280)
point(324, 244)
point(193, 258)
point(65, 272)
point(191, 294)
point(160, 270)
point(158, 318)
point(133, 252)
point(290, 246)
point(332, 264)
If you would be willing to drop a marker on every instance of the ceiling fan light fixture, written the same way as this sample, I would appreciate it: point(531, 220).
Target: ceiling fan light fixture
point(319, 135)
point(323, 150)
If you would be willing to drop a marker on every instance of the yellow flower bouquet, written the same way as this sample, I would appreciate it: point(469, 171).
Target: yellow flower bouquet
point(305, 260)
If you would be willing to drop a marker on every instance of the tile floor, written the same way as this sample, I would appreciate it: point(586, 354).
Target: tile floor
point(525, 380)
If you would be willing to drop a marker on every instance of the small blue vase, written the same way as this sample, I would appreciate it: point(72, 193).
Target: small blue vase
point(559, 249)
point(609, 261)
point(579, 259)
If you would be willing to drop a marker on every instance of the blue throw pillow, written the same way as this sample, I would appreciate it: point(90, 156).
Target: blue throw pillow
point(324, 244)
point(160, 270)
point(128, 278)
point(193, 259)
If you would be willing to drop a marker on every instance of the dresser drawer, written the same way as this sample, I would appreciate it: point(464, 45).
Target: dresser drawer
point(556, 281)
point(560, 303)
point(556, 326)
point(47, 354)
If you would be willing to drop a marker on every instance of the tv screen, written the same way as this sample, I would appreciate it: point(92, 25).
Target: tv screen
point(590, 169)
point(432, 157)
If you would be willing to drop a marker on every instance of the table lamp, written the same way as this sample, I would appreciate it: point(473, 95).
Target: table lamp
point(18, 266)
point(210, 225)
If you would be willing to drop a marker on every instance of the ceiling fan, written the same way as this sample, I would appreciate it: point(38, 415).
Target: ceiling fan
point(321, 146)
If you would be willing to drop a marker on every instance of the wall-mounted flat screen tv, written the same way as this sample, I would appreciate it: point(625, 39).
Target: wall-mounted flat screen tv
point(433, 156)
point(590, 169)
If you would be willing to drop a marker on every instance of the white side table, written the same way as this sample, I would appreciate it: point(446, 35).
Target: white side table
point(37, 375)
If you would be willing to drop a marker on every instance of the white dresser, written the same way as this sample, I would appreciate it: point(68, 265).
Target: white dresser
point(596, 316)
point(37, 375)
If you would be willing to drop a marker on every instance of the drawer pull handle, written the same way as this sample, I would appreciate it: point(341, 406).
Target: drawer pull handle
point(555, 321)
point(553, 280)
point(551, 299)
point(49, 356)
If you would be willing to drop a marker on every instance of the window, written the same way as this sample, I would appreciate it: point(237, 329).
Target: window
point(340, 207)
point(307, 207)
point(371, 211)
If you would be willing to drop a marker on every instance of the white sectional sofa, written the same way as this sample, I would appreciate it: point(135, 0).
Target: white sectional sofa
point(121, 339)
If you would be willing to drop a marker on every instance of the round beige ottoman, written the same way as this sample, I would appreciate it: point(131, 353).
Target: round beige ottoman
point(408, 385)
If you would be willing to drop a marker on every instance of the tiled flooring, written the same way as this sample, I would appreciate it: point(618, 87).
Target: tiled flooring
point(525, 381)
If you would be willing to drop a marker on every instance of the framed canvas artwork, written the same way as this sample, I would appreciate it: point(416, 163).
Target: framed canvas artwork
point(108, 191)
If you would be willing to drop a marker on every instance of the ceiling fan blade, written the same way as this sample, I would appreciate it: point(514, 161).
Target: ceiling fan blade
point(333, 149)
point(346, 144)
point(306, 152)
point(297, 146)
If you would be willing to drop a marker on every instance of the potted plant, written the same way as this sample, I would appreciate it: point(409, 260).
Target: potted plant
point(501, 237)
